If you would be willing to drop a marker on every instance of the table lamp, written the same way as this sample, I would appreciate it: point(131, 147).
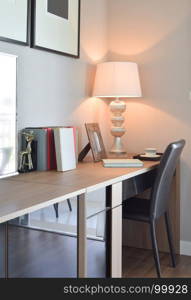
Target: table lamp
point(117, 80)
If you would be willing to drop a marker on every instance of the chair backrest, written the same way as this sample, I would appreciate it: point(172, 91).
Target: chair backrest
point(161, 190)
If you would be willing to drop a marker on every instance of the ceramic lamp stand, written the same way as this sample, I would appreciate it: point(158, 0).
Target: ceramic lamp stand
point(117, 107)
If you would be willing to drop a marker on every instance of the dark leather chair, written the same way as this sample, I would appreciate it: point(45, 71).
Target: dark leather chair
point(149, 211)
point(56, 207)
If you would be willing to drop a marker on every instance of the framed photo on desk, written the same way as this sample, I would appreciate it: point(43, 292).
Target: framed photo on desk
point(96, 141)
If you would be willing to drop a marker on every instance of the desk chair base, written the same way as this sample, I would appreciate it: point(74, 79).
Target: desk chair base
point(56, 207)
point(143, 216)
point(155, 246)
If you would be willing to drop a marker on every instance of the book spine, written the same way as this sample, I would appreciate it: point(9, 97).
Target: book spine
point(57, 141)
point(75, 133)
point(65, 149)
point(51, 154)
point(57, 147)
point(49, 145)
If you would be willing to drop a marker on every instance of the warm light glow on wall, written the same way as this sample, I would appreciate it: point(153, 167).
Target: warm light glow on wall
point(129, 37)
point(94, 38)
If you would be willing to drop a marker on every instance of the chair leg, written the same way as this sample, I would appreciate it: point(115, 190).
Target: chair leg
point(155, 249)
point(69, 204)
point(169, 235)
point(56, 209)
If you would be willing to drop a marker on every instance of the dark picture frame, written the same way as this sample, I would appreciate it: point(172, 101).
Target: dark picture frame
point(27, 27)
point(35, 29)
point(96, 141)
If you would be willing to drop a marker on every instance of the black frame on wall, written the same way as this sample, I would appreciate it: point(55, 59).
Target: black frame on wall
point(33, 30)
point(28, 29)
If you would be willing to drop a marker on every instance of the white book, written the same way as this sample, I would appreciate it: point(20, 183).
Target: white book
point(65, 149)
point(121, 163)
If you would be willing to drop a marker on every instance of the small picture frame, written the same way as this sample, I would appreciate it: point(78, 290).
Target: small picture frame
point(96, 141)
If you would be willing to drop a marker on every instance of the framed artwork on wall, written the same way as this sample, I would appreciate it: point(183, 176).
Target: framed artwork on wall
point(56, 26)
point(15, 21)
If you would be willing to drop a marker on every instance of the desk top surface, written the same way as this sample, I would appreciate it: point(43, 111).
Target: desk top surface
point(26, 193)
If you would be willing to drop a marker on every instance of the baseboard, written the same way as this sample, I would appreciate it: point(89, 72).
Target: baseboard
point(185, 248)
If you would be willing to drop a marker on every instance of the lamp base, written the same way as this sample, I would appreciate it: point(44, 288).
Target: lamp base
point(117, 146)
point(117, 107)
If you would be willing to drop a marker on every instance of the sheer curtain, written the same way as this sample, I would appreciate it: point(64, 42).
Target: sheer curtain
point(8, 140)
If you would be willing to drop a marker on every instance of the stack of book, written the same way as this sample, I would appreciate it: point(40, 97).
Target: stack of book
point(122, 163)
point(57, 147)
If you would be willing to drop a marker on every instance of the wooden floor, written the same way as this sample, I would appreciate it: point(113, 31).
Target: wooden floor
point(42, 254)
point(138, 263)
point(34, 253)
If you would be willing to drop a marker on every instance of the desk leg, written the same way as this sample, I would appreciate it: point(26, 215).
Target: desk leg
point(4, 250)
point(82, 240)
point(116, 230)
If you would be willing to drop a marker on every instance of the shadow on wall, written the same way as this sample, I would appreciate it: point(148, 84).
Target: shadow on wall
point(164, 58)
point(165, 71)
point(164, 111)
point(94, 110)
point(137, 25)
point(152, 125)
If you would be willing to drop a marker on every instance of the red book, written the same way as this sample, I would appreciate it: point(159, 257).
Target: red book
point(51, 152)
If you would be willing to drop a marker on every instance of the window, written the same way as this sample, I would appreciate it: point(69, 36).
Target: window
point(8, 165)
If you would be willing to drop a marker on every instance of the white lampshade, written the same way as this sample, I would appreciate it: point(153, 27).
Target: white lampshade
point(117, 79)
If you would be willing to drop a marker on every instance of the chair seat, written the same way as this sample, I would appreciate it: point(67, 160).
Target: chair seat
point(137, 209)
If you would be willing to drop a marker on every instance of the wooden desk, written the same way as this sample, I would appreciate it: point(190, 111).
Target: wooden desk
point(27, 193)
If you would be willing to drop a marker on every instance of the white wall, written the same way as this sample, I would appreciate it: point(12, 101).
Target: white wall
point(54, 89)
point(157, 35)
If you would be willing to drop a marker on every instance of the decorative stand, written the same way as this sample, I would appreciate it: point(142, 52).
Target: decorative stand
point(117, 108)
point(84, 152)
point(27, 161)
